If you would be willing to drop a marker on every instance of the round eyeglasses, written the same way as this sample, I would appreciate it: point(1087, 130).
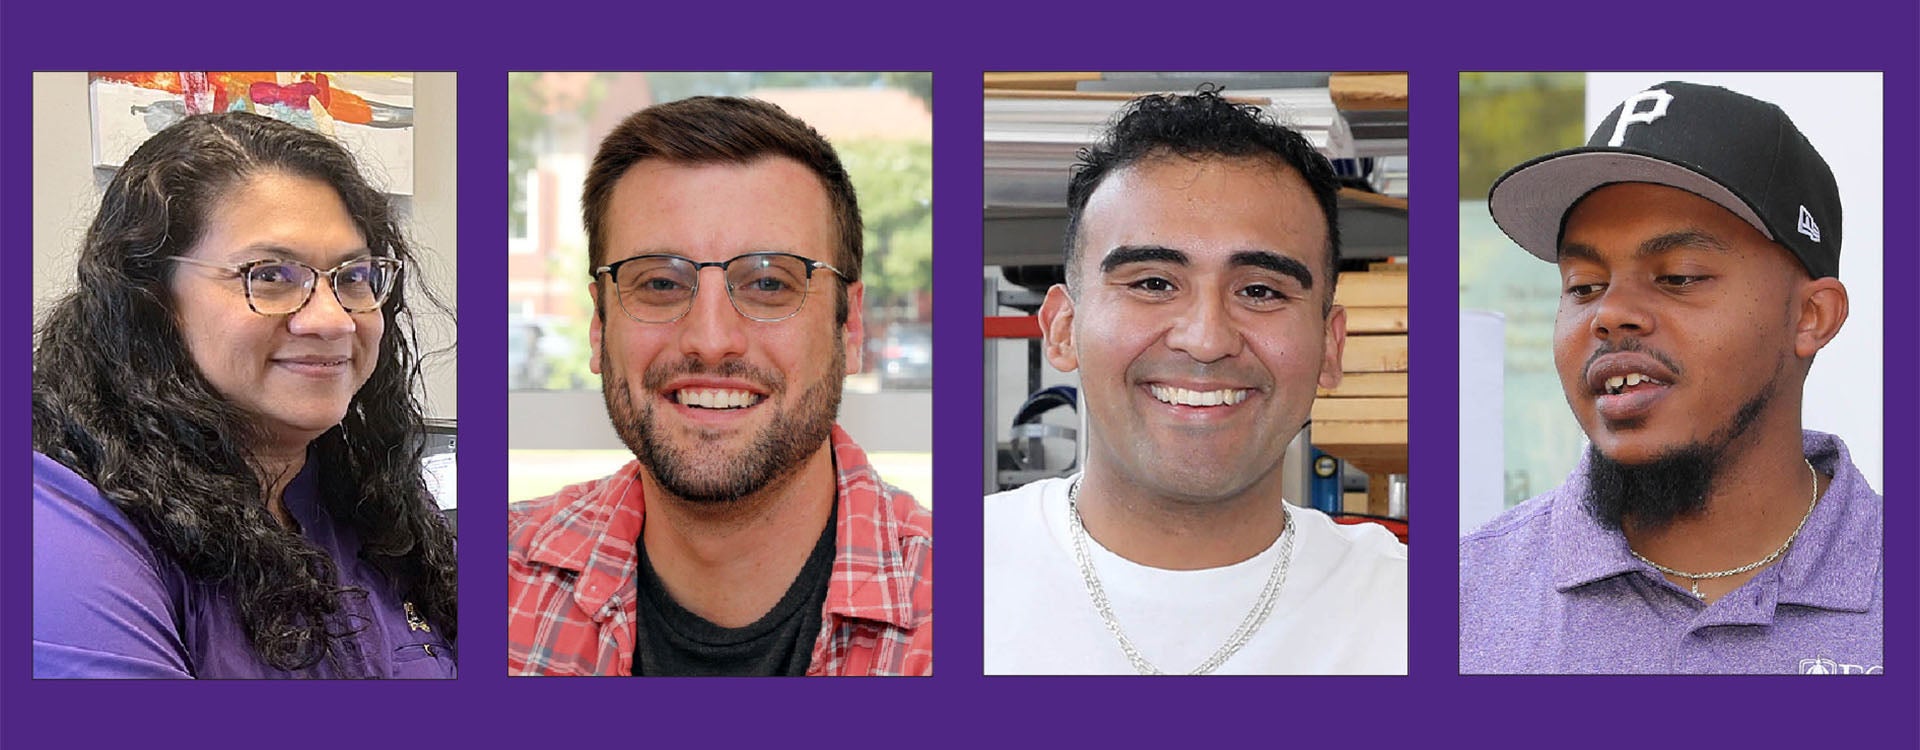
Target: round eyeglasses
point(278, 286)
point(767, 287)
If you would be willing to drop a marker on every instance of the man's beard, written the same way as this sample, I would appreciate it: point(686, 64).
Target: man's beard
point(698, 472)
point(1674, 485)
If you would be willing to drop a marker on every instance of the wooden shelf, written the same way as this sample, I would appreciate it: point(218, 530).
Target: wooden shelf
point(1373, 199)
point(1369, 384)
point(1369, 91)
point(1053, 80)
point(1364, 421)
point(1365, 320)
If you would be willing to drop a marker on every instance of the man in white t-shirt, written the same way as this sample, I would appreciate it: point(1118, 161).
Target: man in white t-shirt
point(1201, 252)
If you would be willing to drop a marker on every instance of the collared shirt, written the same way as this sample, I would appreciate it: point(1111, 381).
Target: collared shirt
point(572, 594)
point(1545, 588)
point(106, 603)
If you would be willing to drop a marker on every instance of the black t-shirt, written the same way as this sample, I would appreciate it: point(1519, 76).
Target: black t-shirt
point(669, 640)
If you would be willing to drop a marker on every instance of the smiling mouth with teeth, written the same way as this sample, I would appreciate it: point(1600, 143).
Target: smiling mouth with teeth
point(1184, 397)
point(1619, 383)
point(715, 398)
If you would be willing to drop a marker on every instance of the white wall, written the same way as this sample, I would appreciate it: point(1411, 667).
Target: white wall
point(66, 193)
point(1840, 113)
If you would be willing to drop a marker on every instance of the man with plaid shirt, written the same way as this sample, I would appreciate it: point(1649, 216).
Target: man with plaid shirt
point(750, 536)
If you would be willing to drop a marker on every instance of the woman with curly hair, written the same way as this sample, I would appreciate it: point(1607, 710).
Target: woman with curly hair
point(227, 454)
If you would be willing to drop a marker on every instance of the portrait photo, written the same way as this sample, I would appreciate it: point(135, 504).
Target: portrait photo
point(721, 357)
point(1197, 373)
point(244, 394)
point(1671, 440)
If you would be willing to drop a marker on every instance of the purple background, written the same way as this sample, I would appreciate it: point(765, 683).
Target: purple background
point(958, 41)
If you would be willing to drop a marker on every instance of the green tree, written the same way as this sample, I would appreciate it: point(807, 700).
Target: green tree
point(526, 118)
point(918, 84)
point(680, 85)
point(1508, 118)
point(894, 180)
point(531, 125)
point(573, 371)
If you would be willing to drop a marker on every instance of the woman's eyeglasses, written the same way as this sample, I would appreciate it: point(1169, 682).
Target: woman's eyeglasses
point(278, 286)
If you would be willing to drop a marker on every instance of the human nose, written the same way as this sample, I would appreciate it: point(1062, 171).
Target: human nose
point(712, 329)
point(323, 315)
point(1621, 310)
point(1205, 331)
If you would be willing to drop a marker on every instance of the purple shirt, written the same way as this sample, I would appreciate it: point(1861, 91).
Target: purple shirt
point(107, 604)
point(1544, 588)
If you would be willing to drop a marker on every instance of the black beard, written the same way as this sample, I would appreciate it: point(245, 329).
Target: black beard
point(692, 472)
point(1651, 496)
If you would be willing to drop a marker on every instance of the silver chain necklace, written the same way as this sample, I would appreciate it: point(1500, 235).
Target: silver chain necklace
point(1698, 577)
point(1262, 607)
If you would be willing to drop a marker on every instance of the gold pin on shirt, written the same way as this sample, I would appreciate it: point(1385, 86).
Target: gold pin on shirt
point(414, 620)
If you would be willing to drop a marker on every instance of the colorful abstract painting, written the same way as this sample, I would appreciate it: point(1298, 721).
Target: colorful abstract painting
point(370, 113)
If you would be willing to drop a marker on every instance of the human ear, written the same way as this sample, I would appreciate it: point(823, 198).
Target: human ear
point(854, 333)
point(1336, 347)
point(1056, 329)
point(593, 329)
point(1820, 312)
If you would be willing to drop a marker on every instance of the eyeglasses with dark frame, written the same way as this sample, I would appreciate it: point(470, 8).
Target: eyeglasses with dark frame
point(279, 286)
point(660, 288)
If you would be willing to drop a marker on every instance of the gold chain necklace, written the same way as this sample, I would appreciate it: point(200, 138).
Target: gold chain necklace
point(1698, 577)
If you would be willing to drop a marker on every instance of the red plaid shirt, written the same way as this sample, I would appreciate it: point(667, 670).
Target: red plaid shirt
point(572, 562)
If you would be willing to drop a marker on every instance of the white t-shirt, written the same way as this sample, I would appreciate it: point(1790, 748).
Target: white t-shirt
point(1341, 610)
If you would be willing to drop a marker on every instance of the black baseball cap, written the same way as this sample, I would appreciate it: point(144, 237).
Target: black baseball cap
point(1726, 147)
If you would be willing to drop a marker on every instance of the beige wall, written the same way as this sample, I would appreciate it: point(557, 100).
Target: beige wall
point(66, 192)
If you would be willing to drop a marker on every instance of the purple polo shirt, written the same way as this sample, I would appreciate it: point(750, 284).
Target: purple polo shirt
point(107, 604)
point(1544, 588)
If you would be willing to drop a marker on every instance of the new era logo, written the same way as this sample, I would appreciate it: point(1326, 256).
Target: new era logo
point(1807, 227)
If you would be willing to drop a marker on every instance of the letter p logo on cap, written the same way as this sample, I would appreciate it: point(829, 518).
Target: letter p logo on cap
point(1630, 114)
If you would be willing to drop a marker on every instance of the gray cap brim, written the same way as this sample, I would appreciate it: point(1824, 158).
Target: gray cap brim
point(1531, 201)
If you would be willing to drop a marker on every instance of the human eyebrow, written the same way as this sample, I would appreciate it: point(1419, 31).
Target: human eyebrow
point(1578, 251)
point(1652, 246)
point(267, 250)
point(1686, 238)
point(1128, 254)
point(1274, 262)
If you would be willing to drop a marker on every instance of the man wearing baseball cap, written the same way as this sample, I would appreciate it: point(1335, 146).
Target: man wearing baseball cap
point(1698, 237)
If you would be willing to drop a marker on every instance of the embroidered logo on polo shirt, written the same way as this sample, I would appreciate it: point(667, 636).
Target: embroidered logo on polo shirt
point(1823, 665)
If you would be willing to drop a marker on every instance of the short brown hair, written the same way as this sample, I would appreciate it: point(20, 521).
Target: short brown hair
point(709, 129)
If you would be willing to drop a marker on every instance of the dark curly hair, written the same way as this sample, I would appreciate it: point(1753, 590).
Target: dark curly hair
point(1193, 126)
point(118, 399)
